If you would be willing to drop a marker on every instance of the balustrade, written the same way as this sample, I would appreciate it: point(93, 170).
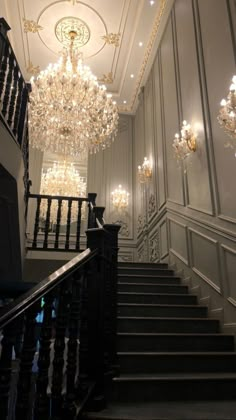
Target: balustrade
point(76, 339)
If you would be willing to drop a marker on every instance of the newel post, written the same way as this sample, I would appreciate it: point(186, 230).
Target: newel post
point(99, 274)
point(92, 202)
point(113, 230)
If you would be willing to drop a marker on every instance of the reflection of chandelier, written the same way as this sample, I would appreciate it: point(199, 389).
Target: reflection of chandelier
point(120, 198)
point(145, 171)
point(227, 114)
point(69, 112)
point(185, 144)
point(62, 180)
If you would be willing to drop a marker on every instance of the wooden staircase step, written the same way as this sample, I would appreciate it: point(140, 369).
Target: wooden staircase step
point(174, 342)
point(161, 298)
point(155, 279)
point(174, 386)
point(166, 325)
point(161, 310)
point(153, 288)
point(157, 362)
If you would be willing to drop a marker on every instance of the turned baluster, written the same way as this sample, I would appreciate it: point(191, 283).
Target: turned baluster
point(91, 204)
point(98, 212)
point(24, 387)
point(77, 246)
point(13, 92)
point(59, 346)
point(72, 355)
point(23, 112)
point(58, 224)
point(3, 75)
point(9, 79)
point(18, 105)
point(42, 400)
point(67, 243)
point(47, 223)
point(36, 223)
point(8, 340)
point(4, 28)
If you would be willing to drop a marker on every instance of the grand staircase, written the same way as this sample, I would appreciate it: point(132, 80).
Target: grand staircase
point(168, 348)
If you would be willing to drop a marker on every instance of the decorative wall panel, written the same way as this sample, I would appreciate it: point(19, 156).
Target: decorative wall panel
point(171, 117)
point(178, 240)
point(205, 258)
point(229, 268)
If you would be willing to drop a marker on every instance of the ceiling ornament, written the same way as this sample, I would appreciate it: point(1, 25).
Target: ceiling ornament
point(107, 79)
point(67, 24)
point(31, 69)
point(69, 112)
point(31, 26)
point(112, 39)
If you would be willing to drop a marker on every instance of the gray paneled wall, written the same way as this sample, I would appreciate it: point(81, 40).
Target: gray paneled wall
point(190, 211)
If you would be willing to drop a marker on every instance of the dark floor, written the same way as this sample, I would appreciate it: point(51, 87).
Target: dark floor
point(196, 410)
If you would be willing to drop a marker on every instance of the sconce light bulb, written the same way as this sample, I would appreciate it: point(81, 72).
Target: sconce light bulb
point(234, 79)
point(232, 114)
point(184, 122)
point(177, 136)
point(223, 102)
point(232, 87)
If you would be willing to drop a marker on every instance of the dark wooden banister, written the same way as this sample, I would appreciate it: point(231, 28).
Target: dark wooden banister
point(82, 295)
point(14, 309)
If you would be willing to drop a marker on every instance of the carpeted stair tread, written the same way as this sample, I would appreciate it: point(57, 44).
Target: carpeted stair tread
point(183, 376)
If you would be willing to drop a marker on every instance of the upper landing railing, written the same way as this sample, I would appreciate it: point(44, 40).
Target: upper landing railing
point(13, 89)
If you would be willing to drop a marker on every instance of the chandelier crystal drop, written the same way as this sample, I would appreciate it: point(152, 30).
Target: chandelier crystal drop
point(227, 113)
point(65, 181)
point(186, 143)
point(69, 112)
point(145, 171)
point(120, 198)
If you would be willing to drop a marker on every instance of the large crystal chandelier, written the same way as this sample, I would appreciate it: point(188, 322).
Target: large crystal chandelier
point(227, 114)
point(69, 112)
point(62, 180)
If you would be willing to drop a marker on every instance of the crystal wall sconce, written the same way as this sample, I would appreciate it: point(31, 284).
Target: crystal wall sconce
point(185, 143)
point(227, 113)
point(145, 171)
point(120, 198)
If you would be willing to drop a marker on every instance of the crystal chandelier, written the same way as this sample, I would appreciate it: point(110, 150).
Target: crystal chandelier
point(120, 198)
point(62, 180)
point(69, 112)
point(145, 171)
point(227, 113)
point(186, 143)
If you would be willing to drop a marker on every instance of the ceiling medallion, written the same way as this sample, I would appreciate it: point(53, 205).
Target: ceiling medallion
point(112, 39)
point(31, 26)
point(64, 27)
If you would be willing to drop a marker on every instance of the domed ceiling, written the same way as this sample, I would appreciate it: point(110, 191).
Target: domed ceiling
point(118, 38)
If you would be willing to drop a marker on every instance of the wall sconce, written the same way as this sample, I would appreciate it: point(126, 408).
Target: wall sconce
point(120, 198)
point(145, 171)
point(227, 113)
point(186, 143)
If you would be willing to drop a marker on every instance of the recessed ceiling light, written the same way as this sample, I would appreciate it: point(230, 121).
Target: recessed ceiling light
point(132, 76)
point(140, 44)
point(152, 2)
point(124, 102)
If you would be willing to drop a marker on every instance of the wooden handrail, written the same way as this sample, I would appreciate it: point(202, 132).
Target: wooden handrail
point(58, 197)
point(9, 312)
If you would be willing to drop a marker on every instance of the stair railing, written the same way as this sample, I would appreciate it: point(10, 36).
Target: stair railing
point(77, 305)
point(13, 89)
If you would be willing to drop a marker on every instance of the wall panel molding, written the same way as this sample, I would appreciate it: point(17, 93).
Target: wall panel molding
point(178, 240)
point(204, 258)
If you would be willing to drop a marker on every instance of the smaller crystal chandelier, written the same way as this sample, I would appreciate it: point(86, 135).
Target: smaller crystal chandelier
point(186, 143)
point(120, 198)
point(227, 113)
point(145, 171)
point(65, 181)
